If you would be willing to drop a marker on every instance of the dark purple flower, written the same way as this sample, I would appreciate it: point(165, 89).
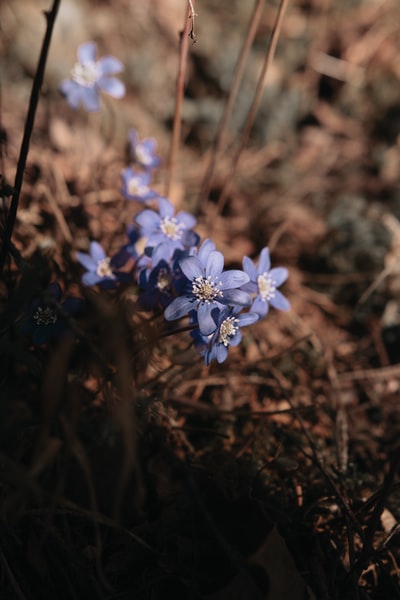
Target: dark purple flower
point(47, 318)
point(208, 287)
point(89, 76)
point(166, 227)
point(264, 282)
point(227, 333)
point(100, 268)
point(157, 281)
point(143, 152)
point(135, 185)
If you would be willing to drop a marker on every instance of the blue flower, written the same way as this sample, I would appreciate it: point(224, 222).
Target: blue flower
point(157, 281)
point(227, 333)
point(264, 282)
point(135, 185)
point(167, 227)
point(208, 287)
point(143, 152)
point(89, 76)
point(44, 321)
point(100, 268)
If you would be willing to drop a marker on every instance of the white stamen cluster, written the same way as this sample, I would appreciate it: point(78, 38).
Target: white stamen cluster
point(135, 188)
point(171, 228)
point(164, 281)
point(266, 286)
point(227, 330)
point(206, 290)
point(87, 74)
point(104, 269)
point(45, 316)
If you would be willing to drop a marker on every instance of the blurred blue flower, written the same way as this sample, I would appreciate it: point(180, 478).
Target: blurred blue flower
point(101, 269)
point(264, 282)
point(165, 226)
point(135, 185)
point(44, 320)
point(89, 76)
point(208, 287)
point(228, 322)
point(143, 152)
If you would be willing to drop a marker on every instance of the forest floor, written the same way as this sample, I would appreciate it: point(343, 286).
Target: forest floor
point(129, 468)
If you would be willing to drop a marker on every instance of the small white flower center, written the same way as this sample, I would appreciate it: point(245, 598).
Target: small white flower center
point(135, 188)
point(227, 330)
point(87, 74)
point(104, 269)
point(143, 156)
point(206, 290)
point(266, 286)
point(164, 281)
point(171, 228)
point(45, 316)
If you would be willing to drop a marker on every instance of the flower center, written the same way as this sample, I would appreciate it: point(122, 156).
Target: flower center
point(135, 188)
point(171, 228)
point(227, 330)
point(266, 286)
point(206, 290)
point(164, 281)
point(45, 316)
point(104, 269)
point(87, 74)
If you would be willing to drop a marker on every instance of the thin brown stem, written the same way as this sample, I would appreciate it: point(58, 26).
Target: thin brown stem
point(255, 104)
point(188, 31)
point(237, 79)
point(30, 120)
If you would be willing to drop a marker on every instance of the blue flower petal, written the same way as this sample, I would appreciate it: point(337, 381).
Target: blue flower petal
point(221, 352)
point(236, 339)
point(279, 275)
point(235, 298)
point(186, 218)
point(109, 65)
point(97, 252)
point(178, 308)
point(165, 207)
point(204, 250)
point(90, 278)
point(191, 267)
point(90, 99)
point(204, 315)
point(260, 306)
point(279, 301)
point(264, 263)
point(247, 318)
point(54, 289)
point(233, 279)
point(114, 87)
point(249, 268)
point(87, 52)
point(86, 261)
point(149, 220)
point(214, 264)
point(250, 287)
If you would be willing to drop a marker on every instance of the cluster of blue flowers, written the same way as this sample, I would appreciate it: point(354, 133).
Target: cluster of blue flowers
point(177, 273)
point(174, 273)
